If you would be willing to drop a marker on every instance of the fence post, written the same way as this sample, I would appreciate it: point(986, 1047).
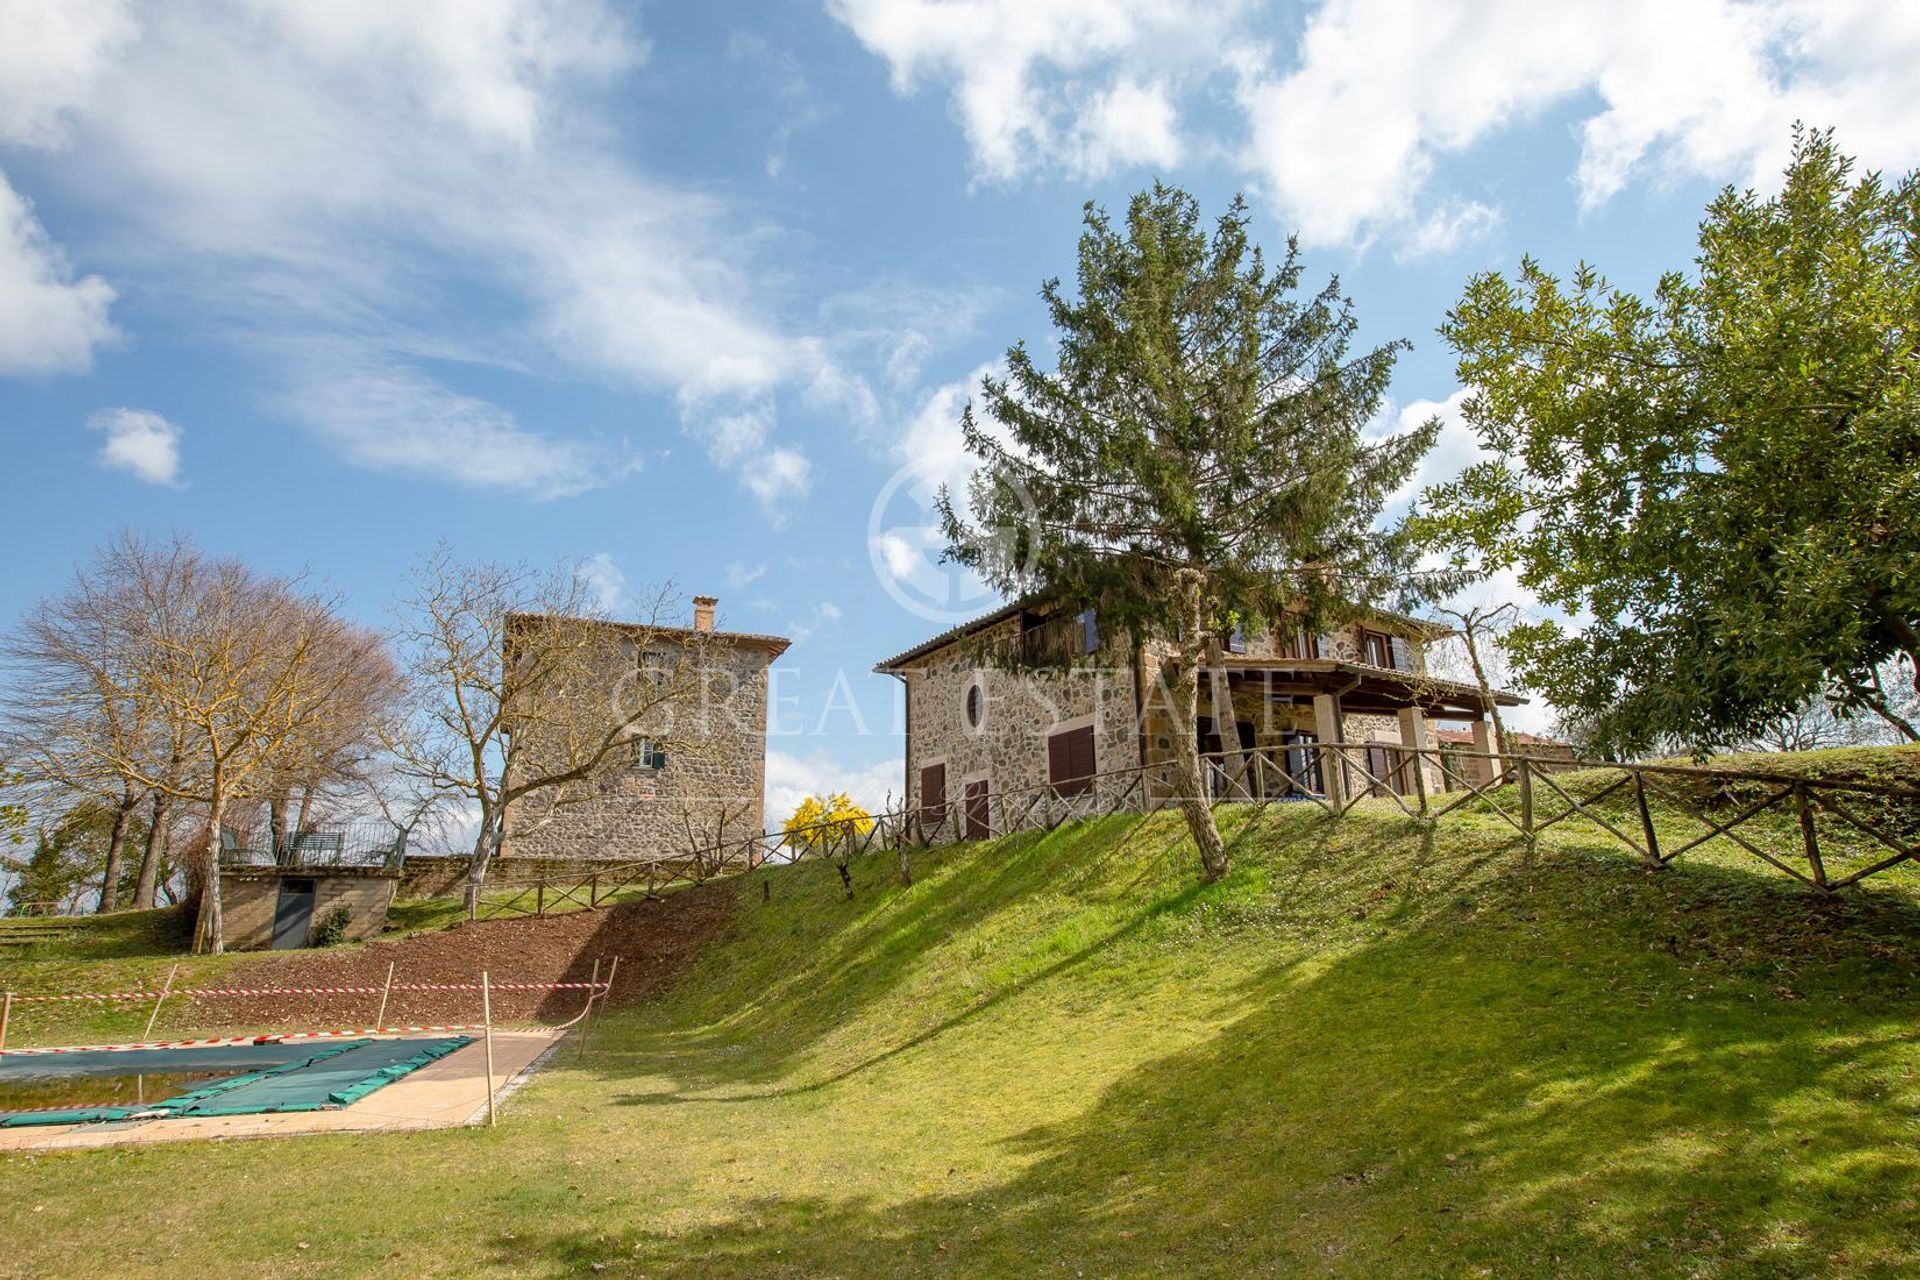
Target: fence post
point(1526, 797)
point(1646, 819)
point(6, 1016)
point(486, 1018)
point(165, 990)
point(1814, 864)
point(380, 1018)
point(1420, 780)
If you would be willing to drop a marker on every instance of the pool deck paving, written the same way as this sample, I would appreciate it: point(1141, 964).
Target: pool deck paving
point(441, 1095)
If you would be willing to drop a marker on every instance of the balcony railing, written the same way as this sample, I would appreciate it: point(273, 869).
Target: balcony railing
point(352, 844)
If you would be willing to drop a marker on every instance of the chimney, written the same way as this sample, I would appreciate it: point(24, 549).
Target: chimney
point(703, 612)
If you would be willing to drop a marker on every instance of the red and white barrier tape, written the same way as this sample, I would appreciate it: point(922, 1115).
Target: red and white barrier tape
point(154, 1044)
point(270, 1038)
point(190, 992)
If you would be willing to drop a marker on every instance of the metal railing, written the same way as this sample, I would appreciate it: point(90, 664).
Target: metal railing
point(352, 844)
point(1842, 831)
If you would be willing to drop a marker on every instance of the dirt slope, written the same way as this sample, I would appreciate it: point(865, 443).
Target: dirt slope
point(654, 939)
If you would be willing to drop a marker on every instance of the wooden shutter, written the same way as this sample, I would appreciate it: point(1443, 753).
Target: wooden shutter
point(1070, 761)
point(933, 794)
point(1323, 646)
point(1400, 653)
point(1390, 768)
point(978, 811)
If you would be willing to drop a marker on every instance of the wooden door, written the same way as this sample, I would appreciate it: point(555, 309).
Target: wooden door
point(933, 797)
point(293, 915)
point(977, 801)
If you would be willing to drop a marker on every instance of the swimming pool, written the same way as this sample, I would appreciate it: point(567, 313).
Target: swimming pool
point(91, 1086)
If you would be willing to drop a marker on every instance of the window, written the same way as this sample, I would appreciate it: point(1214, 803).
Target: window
point(1087, 628)
point(1388, 769)
point(1297, 642)
point(646, 754)
point(933, 794)
point(1237, 638)
point(1376, 648)
point(1303, 763)
point(976, 704)
point(1070, 761)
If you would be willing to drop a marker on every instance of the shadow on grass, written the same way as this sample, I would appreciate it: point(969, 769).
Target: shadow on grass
point(1543, 1079)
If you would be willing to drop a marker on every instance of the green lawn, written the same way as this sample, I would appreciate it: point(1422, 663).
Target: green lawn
point(1379, 1047)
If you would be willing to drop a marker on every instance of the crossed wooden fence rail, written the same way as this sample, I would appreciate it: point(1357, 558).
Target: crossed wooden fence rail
point(1427, 783)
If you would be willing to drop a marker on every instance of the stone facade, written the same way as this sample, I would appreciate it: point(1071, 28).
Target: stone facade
point(1117, 693)
point(712, 779)
point(999, 736)
point(249, 898)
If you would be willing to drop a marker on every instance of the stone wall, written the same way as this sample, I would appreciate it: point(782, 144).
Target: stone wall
point(1019, 710)
point(714, 779)
point(250, 898)
point(445, 876)
point(1121, 699)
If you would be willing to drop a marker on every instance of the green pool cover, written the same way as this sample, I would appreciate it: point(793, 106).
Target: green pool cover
point(299, 1078)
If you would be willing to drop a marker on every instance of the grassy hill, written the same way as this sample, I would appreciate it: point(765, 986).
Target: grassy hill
point(1380, 1047)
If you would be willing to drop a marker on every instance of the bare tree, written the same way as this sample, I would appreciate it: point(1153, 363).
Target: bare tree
point(1479, 628)
point(250, 669)
point(74, 708)
point(1820, 722)
point(331, 760)
point(527, 696)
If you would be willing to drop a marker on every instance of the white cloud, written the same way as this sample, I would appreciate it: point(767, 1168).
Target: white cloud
point(778, 477)
point(329, 183)
point(51, 56)
point(1447, 229)
point(826, 615)
point(50, 322)
point(601, 574)
point(1350, 106)
point(1085, 84)
point(1456, 448)
point(389, 416)
point(141, 443)
point(1345, 135)
point(1128, 123)
point(740, 575)
point(792, 778)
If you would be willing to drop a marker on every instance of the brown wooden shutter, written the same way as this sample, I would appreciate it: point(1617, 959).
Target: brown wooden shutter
point(1070, 761)
point(933, 794)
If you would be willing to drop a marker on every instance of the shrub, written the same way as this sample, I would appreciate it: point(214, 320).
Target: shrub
point(331, 927)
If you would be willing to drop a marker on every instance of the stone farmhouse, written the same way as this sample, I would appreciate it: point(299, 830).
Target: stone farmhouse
point(978, 730)
point(663, 800)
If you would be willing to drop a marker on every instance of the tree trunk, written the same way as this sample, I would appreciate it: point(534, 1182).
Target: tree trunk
point(305, 813)
point(1884, 709)
point(210, 932)
point(485, 844)
point(277, 826)
point(116, 844)
point(146, 889)
point(1875, 699)
point(1486, 691)
point(1194, 805)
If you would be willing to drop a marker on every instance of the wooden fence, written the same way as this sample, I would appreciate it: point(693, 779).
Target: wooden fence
point(1826, 833)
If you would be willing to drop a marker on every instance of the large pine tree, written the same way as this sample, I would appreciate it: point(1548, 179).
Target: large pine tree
point(1195, 460)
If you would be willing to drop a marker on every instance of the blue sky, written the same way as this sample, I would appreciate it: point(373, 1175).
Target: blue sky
point(680, 291)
